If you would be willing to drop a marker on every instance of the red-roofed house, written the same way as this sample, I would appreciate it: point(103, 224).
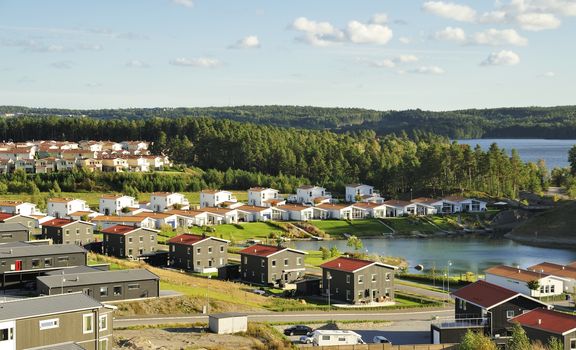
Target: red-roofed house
point(128, 241)
point(64, 231)
point(197, 253)
point(271, 265)
point(483, 306)
point(517, 279)
point(543, 324)
point(358, 281)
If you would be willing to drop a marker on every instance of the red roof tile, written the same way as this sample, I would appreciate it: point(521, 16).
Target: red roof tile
point(119, 229)
point(187, 239)
point(484, 294)
point(57, 223)
point(346, 264)
point(547, 320)
point(4, 216)
point(261, 250)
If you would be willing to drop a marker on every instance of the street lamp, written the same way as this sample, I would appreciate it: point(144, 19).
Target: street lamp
point(448, 272)
point(329, 278)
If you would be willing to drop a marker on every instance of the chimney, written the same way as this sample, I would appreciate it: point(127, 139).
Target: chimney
point(539, 321)
point(338, 264)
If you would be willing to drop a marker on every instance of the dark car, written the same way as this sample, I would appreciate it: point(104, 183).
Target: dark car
point(298, 330)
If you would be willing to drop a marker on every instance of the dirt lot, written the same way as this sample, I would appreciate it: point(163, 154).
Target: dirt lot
point(181, 338)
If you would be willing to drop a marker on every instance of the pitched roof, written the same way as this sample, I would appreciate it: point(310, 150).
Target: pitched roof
point(114, 218)
point(189, 239)
point(308, 187)
point(4, 216)
point(22, 250)
point(10, 203)
point(351, 264)
point(548, 321)
point(555, 269)
point(60, 200)
point(455, 198)
point(356, 185)
point(515, 273)
point(484, 294)
point(424, 200)
point(58, 223)
point(216, 210)
point(46, 305)
point(397, 203)
point(266, 250)
point(367, 205)
point(260, 189)
point(294, 207)
point(120, 229)
point(252, 208)
point(188, 213)
point(12, 227)
point(328, 206)
point(97, 277)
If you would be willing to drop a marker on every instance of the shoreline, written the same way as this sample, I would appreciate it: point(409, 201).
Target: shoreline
point(543, 243)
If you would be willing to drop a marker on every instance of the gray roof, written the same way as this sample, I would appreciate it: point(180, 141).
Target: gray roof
point(77, 269)
point(35, 250)
point(48, 305)
point(228, 315)
point(67, 346)
point(12, 227)
point(99, 277)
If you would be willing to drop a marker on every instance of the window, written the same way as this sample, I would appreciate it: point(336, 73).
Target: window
point(133, 286)
point(360, 279)
point(221, 249)
point(342, 339)
point(198, 250)
point(152, 238)
point(347, 294)
point(141, 239)
point(77, 232)
point(6, 334)
point(273, 263)
point(388, 276)
point(117, 290)
point(49, 324)
point(198, 262)
point(103, 344)
point(509, 314)
point(47, 262)
point(348, 279)
point(245, 260)
point(88, 323)
point(129, 251)
point(88, 231)
point(35, 263)
point(67, 232)
point(263, 262)
point(373, 277)
point(337, 291)
point(325, 337)
point(572, 344)
point(103, 291)
point(286, 262)
point(129, 239)
point(298, 261)
point(209, 250)
point(63, 259)
point(103, 322)
point(6, 235)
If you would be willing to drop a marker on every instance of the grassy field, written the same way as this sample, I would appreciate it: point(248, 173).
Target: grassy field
point(409, 225)
point(314, 258)
point(365, 227)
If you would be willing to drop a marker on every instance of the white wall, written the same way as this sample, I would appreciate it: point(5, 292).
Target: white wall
point(522, 287)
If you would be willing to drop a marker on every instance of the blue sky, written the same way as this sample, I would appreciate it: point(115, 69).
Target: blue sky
point(381, 54)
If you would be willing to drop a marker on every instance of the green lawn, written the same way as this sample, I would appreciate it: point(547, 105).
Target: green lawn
point(364, 227)
point(238, 232)
point(409, 224)
point(314, 258)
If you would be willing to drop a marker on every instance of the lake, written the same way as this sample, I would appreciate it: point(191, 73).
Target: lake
point(554, 152)
point(466, 254)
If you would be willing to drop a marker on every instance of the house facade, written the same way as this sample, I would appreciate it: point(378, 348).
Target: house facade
point(271, 265)
point(128, 241)
point(264, 197)
point(63, 207)
point(113, 205)
point(518, 280)
point(64, 231)
point(312, 195)
point(564, 272)
point(163, 201)
point(13, 233)
point(543, 324)
point(16, 207)
point(68, 321)
point(106, 221)
point(361, 193)
point(358, 281)
point(197, 253)
point(216, 198)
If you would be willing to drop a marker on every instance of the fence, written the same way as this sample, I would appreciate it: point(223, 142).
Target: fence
point(390, 347)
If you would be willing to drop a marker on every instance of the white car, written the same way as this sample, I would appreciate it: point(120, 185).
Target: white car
point(380, 339)
point(306, 339)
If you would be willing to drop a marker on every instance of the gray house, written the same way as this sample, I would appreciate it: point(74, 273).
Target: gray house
point(28, 221)
point(101, 285)
point(271, 265)
point(128, 241)
point(64, 231)
point(358, 281)
point(198, 253)
point(14, 233)
point(56, 321)
point(20, 262)
point(543, 324)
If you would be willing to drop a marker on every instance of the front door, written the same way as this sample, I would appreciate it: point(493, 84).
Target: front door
point(18, 265)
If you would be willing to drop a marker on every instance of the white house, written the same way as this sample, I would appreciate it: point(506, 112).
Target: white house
point(312, 195)
point(217, 216)
point(297, 212)
point(458, 204)
point(372, 210)
point(342, 211)
point(17, 207)
point(105, 221)
point(396, 208)
point(517, 279)
point(425, 206)
point(162, 201)
point(189, 218)
point(216, 198)
point(63, 207)
point(113, 204)
point(566, 273)
point(362, 193)
point(264, 197)
point(161, 219)
point(251, 213)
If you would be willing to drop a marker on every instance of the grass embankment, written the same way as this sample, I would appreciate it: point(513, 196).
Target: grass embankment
point(360, 228)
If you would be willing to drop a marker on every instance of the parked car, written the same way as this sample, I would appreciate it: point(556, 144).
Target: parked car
point(258, 291)
point(380, 339)
point(307, 339)
point(298, 330)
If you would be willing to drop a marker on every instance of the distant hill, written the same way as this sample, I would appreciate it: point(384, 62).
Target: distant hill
point(522, 122)
point(554, 228)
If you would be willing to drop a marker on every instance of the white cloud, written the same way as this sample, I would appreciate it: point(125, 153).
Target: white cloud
point(385, 63)
point(432, 70)
point(249, 42)
point(549, 75)
point(379, 18)
point(202, 62)
point(360, 33)
point(406, 59)
point(497, 37)
point(136, 64)
point(450, 10)
point(538, 21)
point(502, 58)
point(185, 3)
point(405, 40)
point(559, 7)
point(62, 65)
point(317, 33)
point(393, 62)
point(493, 17)
point(451, 34)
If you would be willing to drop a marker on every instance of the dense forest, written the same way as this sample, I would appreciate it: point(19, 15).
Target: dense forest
point(396, 164)
point(526, 122)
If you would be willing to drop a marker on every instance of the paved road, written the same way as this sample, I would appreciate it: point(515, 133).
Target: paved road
point(406, 315)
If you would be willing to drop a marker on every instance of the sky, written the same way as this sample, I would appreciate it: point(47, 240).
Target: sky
point(377, 54)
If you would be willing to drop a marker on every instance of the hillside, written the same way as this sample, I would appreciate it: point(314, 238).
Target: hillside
point(553, 228)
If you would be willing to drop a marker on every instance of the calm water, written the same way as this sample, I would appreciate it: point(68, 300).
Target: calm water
point(466, 254)
point(554, 152)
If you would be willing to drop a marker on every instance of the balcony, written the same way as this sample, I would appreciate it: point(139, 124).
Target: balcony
point(462, 323)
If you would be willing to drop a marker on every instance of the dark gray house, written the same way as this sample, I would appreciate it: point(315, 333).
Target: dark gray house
point(271, 265)
point(64, 231)
point(58, 321)
point(197, 253)
point(28, 221)
point(483, 307)
point(102, 285)
point(358, 281)
point(14, 233)
point(21, 262)
point(128, 241)
point(543, 324)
